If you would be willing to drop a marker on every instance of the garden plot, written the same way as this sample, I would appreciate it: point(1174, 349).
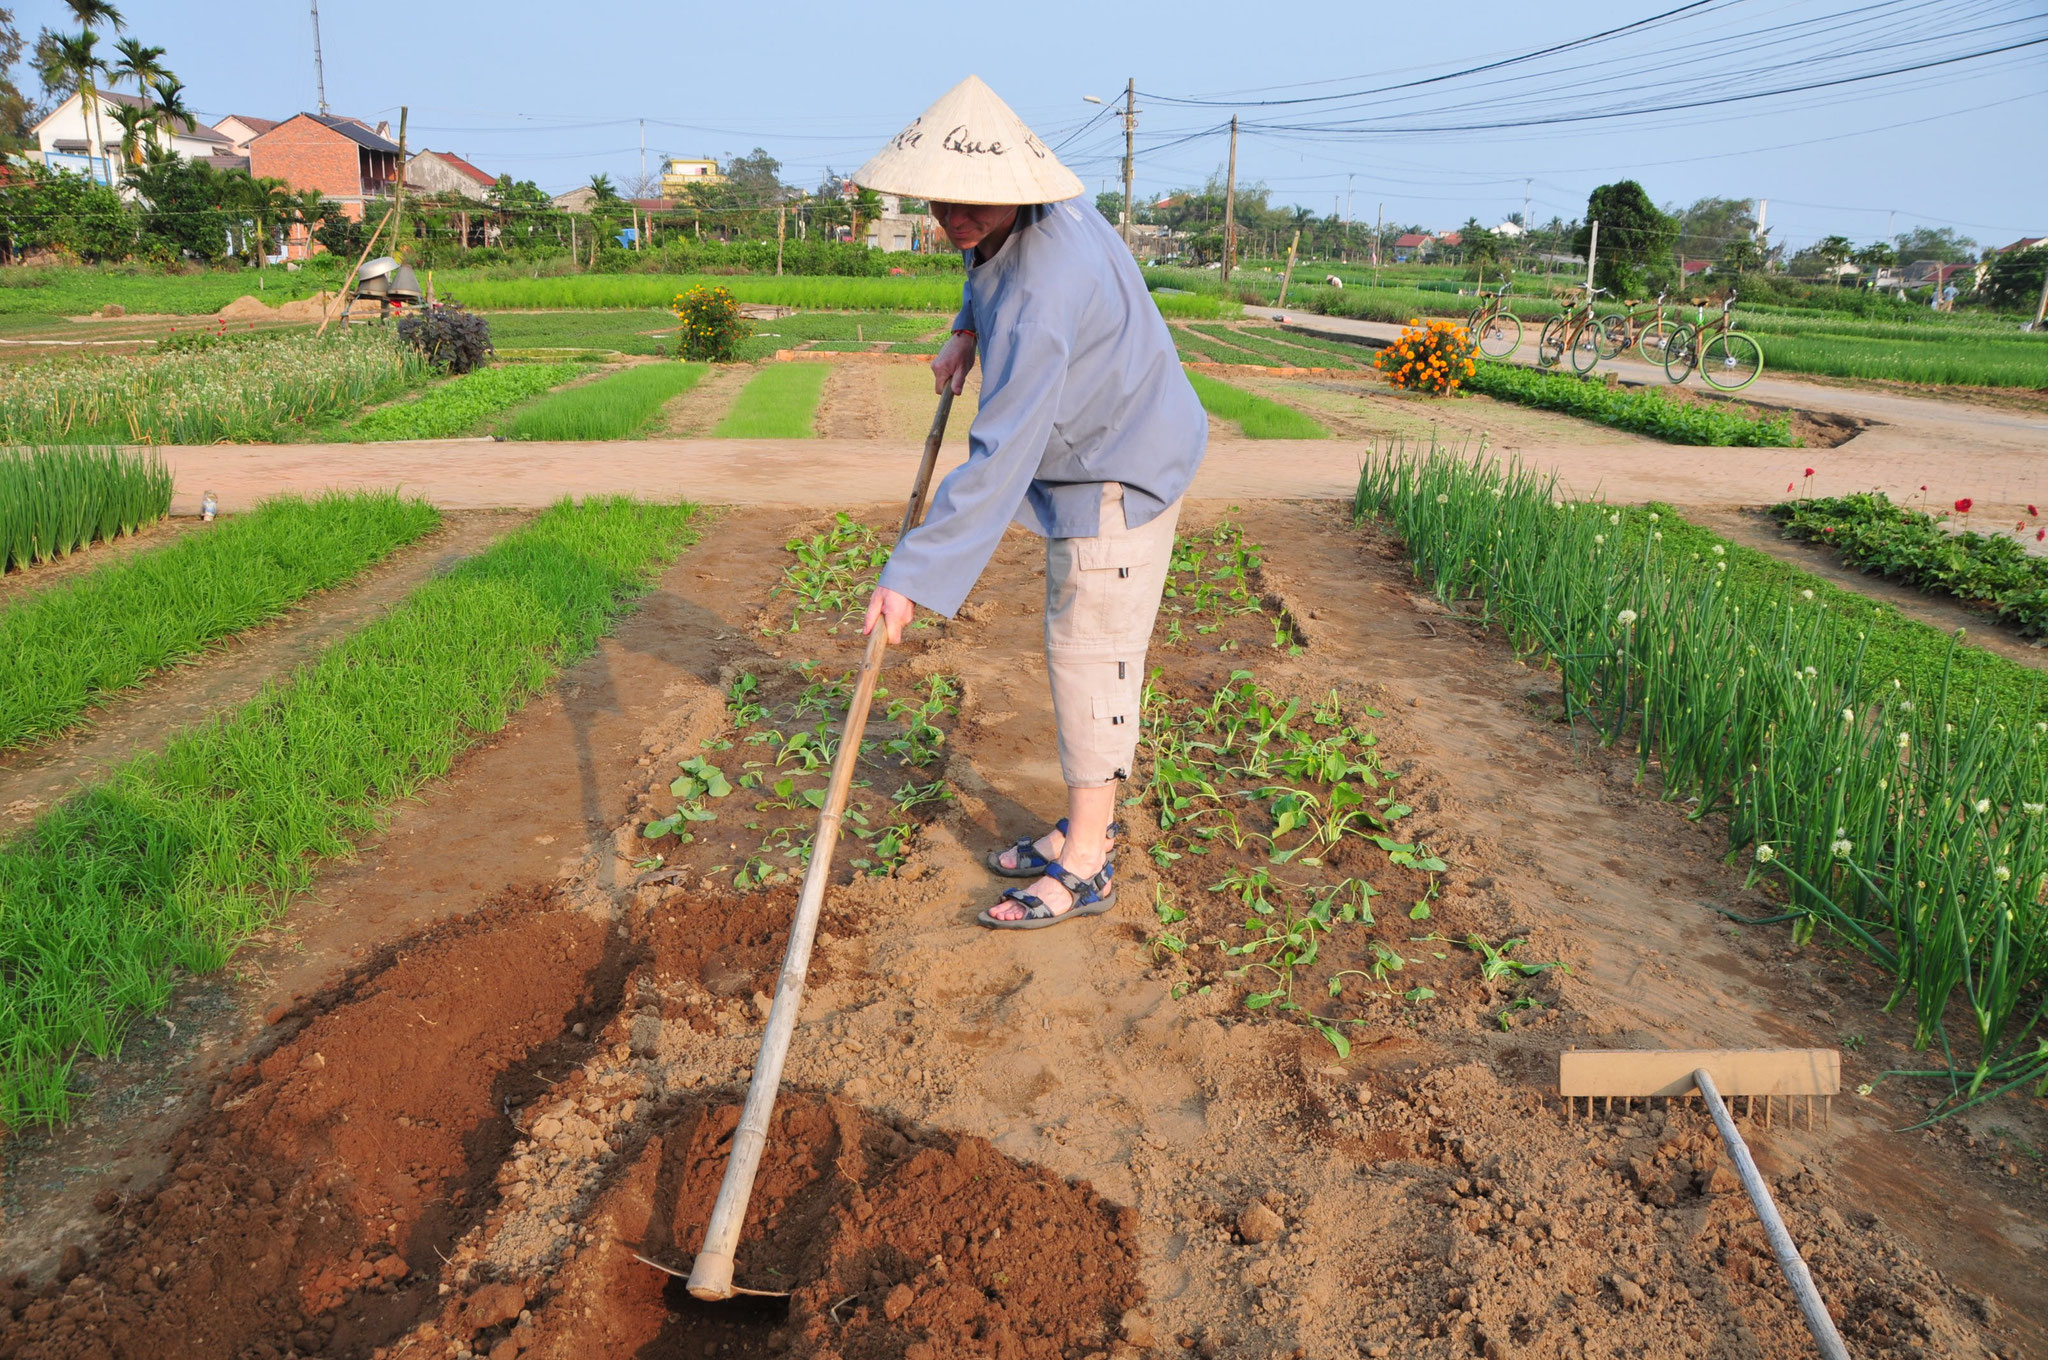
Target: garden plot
point(530, 1093)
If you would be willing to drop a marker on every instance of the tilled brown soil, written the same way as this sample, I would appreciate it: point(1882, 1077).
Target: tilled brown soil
point(1077, 1142)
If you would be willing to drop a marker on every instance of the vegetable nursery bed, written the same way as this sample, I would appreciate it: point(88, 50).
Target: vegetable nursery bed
point(444, 1141)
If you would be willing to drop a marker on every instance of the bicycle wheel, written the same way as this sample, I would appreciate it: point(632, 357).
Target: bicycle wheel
point(1472, 321)
point(1613, 337)
point(1586, 347)
point(1681, 354)
point(1550, 344)
point(1655, 341)
point(1502, 336)
point(1731, 361)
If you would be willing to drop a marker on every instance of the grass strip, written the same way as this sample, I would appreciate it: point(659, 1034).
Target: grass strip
point(1255, 415)
point(1905, 816)
point(578, 292)
point(779, 402)
point(1911, 545)
point(463, 403)
point(170, 862)
point(1202, 349)
point(54, 501)
point(617, 407)
point(1643, 410)
point(68, 647)
point(1266, 351)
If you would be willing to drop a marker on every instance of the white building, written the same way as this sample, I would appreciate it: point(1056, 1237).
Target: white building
point(70, 140)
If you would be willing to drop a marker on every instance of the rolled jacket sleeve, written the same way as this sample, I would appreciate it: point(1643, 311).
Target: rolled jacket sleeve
point(1023, 375)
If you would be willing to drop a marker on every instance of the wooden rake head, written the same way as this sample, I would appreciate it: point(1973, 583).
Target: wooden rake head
point(1795, 1077)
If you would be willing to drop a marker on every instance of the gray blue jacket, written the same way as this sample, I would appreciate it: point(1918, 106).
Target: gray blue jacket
point(1080, 385)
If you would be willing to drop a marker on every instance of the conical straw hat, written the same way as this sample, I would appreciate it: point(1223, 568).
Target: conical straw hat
point(970, 147)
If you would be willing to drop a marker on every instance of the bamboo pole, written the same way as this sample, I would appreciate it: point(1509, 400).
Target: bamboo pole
point(325, 317)
point(711, 1274)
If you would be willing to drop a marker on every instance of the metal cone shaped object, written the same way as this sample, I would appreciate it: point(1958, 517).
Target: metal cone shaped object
point(970, 147)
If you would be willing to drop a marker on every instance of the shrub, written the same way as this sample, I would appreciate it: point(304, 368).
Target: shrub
point(448, 337)
point(1912, 546)
point(1645, 410)
point(1436, 357)
point(713, 328)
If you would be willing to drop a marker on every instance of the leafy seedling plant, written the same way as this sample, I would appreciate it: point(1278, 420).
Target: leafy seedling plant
point(785, 730)
point(1290, 800)
point(833, 575)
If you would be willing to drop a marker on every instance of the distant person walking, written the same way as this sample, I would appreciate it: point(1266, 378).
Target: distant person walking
point(1088, 434)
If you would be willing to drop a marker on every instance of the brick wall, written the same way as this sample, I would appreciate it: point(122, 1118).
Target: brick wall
point(306, 155)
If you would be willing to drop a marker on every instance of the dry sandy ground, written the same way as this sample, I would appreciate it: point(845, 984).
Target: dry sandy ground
point(457, 1144)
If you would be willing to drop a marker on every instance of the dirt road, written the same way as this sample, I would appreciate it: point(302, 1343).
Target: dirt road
point(837, 472)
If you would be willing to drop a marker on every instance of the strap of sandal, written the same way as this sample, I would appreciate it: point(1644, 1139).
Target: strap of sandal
point(1034, 906)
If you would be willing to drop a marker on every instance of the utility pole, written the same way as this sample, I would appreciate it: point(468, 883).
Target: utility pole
point(1130, 156)
point(1230, 203)
point(1378, 218)
point(781, 229)
point(1348, 193)
point(1592, 250)
point(319, 66)
point(643, 157)
point(398, 202)
point(2041, 307)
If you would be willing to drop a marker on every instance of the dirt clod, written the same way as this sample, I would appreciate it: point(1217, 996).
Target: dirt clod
point(1259, 1224)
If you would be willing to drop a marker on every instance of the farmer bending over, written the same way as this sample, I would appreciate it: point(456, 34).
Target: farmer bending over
point(1088, 434)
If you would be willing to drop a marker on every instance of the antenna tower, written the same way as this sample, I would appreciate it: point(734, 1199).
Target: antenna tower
point(319, 67)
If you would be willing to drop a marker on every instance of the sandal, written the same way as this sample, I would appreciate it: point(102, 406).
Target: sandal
point(1030, 863)
point(1092, 897)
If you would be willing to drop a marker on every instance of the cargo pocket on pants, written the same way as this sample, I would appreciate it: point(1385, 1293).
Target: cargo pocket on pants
point(1110, 602)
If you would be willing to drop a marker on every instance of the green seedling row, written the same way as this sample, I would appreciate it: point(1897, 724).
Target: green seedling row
point(1266, 349)
point(462, 405)
point(1643, 410)
point(54, 501)
point(71, 646)
point(1258, 417)
point(779, 402)
point(166, 865)
point(1905, 818)
point(266, 386)
point(617, 407)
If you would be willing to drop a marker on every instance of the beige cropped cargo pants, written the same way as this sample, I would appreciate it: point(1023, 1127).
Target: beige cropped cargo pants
point(1101, 598)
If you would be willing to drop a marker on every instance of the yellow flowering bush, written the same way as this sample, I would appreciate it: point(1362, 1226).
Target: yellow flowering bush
point(1436, 358)
point(713, 327)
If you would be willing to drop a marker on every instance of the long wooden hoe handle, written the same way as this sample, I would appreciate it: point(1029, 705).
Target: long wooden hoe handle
point(711, 1275)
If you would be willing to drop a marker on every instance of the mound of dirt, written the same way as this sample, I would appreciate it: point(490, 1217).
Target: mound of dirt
point(305, 1215)
point(249, 307)
point(909, 1245)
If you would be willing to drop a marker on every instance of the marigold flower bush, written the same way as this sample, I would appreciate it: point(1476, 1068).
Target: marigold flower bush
point(1909, 822)
point(1895, 540)
point(713, 328)
point(1437, 357)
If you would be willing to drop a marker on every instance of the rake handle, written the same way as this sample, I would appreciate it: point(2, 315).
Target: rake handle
point(1789, 1260)
point(711, 1273)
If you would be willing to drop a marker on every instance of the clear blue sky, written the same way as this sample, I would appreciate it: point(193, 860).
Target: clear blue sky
point(554, 93)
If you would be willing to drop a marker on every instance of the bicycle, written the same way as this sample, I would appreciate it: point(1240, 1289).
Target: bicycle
point(1652, 340)
point(1493, 328)
point(1561, 332)
point(1726, 358)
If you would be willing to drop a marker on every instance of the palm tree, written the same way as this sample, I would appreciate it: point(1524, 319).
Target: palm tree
point(78, 61)
point(270, 203)
point(139, 63)
point(89, 13)
point(170, 113)
point(602, 189)
point(134, 119)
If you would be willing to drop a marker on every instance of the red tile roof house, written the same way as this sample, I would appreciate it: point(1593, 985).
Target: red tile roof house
point(1407, 246)
point(343, 158)
point(444, 172)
